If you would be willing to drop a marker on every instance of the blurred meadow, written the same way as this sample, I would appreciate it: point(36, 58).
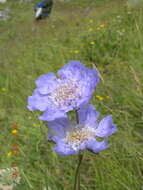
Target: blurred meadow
point(105, 34)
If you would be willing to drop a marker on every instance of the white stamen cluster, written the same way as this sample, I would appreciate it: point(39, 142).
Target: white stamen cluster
point(65, 93)
point(78, 135)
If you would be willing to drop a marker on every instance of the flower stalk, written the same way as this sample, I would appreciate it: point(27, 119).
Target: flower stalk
point(77, 173)
point(80, 158)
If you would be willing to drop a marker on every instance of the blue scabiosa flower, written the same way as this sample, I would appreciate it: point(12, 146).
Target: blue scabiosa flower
point(70, 139)
point(56, 96)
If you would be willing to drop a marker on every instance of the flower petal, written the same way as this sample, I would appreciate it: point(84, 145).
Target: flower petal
point(88, 115)
point(59, 127)
point(106, 127)
point(88, 83)
point(64, 150)
point(92, 77)
point(96, 146)
point(52, 114)
point(73, 70)
point(46, 83)
point(37, 102)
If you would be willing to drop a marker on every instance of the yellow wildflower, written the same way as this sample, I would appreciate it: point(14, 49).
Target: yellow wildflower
point(108, 97)
point(3, 89)
point(102, 26)
point(76, 51)
point(91, 21)
point(99, 98)
point(14, 132)
point(90, 29)
point(92, 43)
point(34, 125)
point(9, 154)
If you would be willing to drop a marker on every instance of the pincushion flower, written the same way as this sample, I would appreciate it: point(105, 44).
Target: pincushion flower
point(56, 96)
point(70, 139)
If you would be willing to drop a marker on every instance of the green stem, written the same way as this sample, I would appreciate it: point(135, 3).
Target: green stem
point(77, 173)
point(78, 185)
point(80, 158)
point(76, 114)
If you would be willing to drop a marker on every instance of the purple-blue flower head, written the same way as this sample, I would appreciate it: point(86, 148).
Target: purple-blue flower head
point(70, 139)
point(56, 96)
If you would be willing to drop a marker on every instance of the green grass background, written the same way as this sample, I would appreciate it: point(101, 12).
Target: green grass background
point(29, 49)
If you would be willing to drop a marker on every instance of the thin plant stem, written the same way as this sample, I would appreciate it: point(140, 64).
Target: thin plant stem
point(78, 184)
point(80, 158)
point(76, 114)
point(77, 173)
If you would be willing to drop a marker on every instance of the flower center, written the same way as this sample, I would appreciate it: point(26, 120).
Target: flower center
point(66, 93)
point(79, 134)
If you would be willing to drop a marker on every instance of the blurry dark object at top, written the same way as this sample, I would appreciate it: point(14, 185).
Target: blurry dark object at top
point(43, 9)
